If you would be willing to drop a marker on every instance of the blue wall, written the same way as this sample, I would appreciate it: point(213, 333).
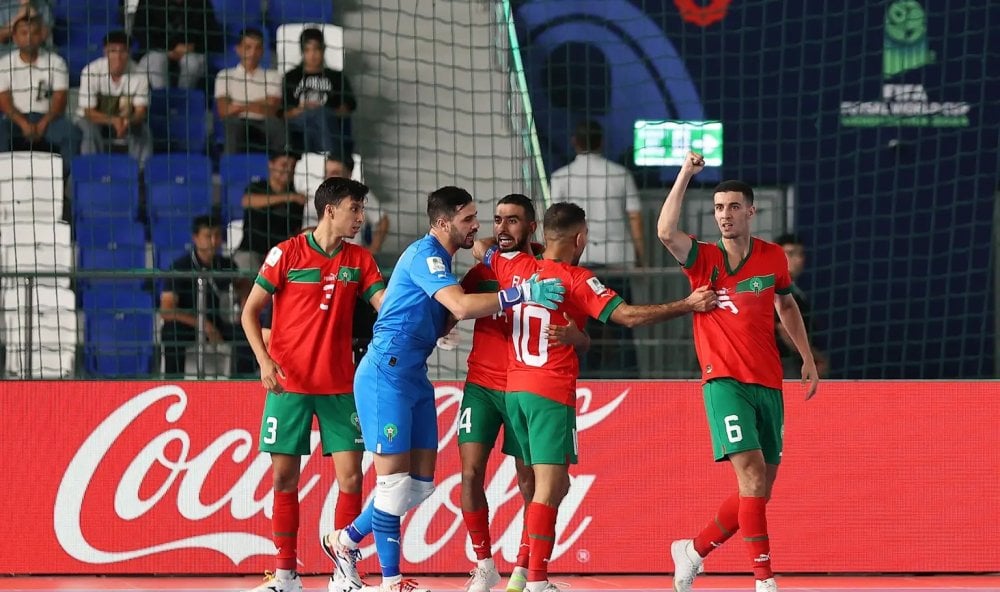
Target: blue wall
point(898, 221)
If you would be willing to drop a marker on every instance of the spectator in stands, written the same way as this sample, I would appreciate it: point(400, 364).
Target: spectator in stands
point(607, 191)
point(33, 92)
point(113, 103)
point(248, 98)
point(174, 37)
point(372, 234)
point(272, 211)
point(318, 100)
point(795, 252)
point(12, 11)
point(179, 300)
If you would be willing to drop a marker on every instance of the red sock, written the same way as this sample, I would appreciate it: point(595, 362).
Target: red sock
point(719, 529)
point(285, 526)
point(347, 509)
point(478, 524)
point(753, 523)
point(541, 525)
point(523, 551)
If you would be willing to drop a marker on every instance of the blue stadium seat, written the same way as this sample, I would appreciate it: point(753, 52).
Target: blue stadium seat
point(88, 12)
point(234, 15)
point(178, 169)
point(280, 12)
point(116, 201)
point(105, 168)
point(177, 120)
point(183, 202)
point(109, 234)
point(165, 257)
point(113, 257)
point(238, 171)
point(119, 338)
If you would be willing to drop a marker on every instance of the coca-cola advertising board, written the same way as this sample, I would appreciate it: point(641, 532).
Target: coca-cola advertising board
point(145, 477)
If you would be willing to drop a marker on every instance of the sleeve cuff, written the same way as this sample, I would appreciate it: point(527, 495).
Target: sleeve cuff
point(263, 283)
point(372, 290)
point(783, 291)
point(610, 308)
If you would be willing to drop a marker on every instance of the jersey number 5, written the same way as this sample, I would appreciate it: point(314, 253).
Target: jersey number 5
point(525, 341)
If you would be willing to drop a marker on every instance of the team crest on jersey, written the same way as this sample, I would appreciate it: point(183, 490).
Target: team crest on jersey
point(756, 284)
point(596, 285)
point(347, 275)
point(273, 256)
point(436, 265)
point(391, 431)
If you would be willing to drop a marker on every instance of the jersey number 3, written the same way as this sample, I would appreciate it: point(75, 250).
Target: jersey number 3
point(525, 342)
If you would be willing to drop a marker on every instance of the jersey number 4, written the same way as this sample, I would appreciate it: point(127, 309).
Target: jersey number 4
point(525, 342)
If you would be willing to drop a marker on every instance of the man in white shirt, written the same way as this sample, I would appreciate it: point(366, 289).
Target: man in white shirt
point(33, 89)
point(113, 103)
point(247, 99)
point(608, 193)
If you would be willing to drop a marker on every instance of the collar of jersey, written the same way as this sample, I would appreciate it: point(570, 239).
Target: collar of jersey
point(725, 257)
point(315, 246)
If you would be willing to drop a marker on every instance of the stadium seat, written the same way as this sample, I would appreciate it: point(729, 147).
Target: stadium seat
point(106, 201)
point(88, 13)
point(234, 15)
point(177, 120)
point(39, 331)
point(178, 169)
point(109, 234)
point(299, 11)
point(119, 338)
point(105, 186)
point(31, 187)
point(289, 52)
point(238, 171)
point(44, 246)
point(179, 203)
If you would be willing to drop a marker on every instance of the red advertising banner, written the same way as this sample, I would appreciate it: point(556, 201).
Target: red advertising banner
point(144, 477)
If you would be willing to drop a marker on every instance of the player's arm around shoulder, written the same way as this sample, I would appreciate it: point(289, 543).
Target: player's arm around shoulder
point(678, 242)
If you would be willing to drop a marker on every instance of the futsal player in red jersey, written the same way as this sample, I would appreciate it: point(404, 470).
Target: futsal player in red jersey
point(484, 410)
point(315, 280)
point(740, 365)
point(542, 374)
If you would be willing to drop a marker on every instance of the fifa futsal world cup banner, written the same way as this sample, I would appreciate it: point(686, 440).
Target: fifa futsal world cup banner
point(145, 477)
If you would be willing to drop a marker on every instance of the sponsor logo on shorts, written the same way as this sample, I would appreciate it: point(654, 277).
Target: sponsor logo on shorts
point(391, 431)
point(356, 421)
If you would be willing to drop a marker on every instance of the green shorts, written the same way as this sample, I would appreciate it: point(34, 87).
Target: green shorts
point(483, 412)
point(545, 430)
point(288, 417)
point(744, 417)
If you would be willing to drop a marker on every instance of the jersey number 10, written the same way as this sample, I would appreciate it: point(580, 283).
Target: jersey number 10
point(525, 341)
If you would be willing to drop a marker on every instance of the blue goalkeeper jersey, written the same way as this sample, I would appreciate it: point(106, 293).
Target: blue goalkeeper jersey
point(411, 320)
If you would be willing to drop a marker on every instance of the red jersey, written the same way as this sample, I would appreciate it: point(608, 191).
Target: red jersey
point(534, 364)
point(314, 298)
point(488, 358)
point(736, 340)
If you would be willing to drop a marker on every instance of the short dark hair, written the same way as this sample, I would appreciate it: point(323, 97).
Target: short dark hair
point(116, 37)
point(311, 34)
point(30, 19)
point(738, 187)
point(333, 191)
point(589, 135)
point(563, 218)
point(252, 32)
point(204, 221)
point(517, 199)
point(444, 202)
point(788, 239)
point(279, 153)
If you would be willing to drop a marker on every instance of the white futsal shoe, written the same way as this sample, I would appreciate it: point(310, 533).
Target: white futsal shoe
point(687, 564)
point(272, 583)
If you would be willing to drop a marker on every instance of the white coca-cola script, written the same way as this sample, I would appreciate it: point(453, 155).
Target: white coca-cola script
point(187, 471)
